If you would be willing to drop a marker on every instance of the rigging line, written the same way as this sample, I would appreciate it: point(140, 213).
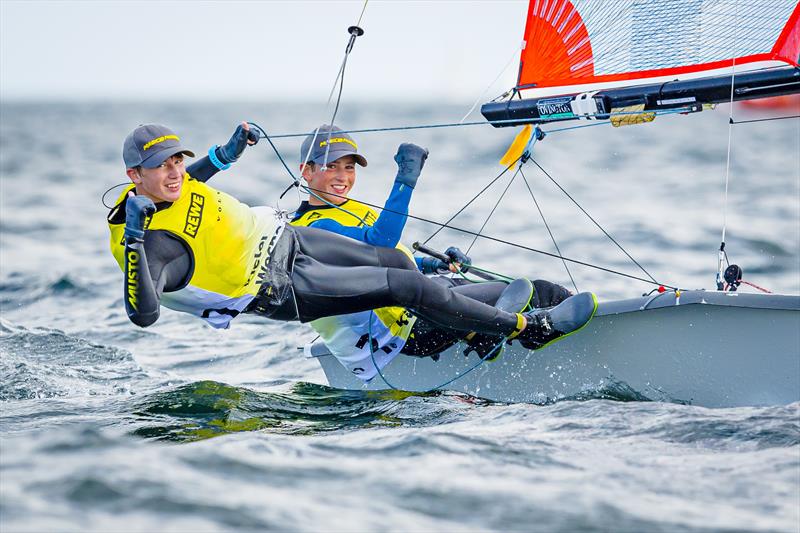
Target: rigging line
point(595, 222)
point(496, 205)
point(722, 252)
point(514, 121)
point(363, 9)
point(449, 220)
point(500, 241)
point(486, 90)
point(546, 225)
point(762, 119)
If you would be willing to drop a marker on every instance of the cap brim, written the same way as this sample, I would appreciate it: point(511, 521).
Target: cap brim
point(159, 157)
point(333, 155)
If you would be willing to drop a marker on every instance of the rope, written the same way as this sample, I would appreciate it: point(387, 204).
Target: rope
point(475, 239)
point(449, 220)
point(515, 122)
point(722, 255)
point(546, 225)
point(731, 121)
point(437, 387)
point(652, 279)
point(502, 71)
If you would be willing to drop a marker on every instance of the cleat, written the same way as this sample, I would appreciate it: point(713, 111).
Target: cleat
point(514, 299)
point(546, 326)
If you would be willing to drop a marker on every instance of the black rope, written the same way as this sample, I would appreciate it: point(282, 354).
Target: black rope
point(498, 240)
point(546, 225)
point(449, 220)
point(761, 119)
point(595, 222)
point(493, 209)
point(103, 198)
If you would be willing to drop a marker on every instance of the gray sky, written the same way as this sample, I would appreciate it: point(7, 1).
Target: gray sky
point(412, 50)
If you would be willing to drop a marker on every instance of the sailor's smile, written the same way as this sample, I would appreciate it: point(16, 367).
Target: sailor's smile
point(333, 182)
point(163, 183)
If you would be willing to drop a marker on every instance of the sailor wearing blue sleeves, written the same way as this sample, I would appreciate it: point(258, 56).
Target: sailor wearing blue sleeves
point(329, 158)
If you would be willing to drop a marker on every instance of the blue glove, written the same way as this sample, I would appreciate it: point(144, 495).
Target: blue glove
point(239, 141)
point(137, 209)
point(410, 159)
point(457, 256)
point(431, 265)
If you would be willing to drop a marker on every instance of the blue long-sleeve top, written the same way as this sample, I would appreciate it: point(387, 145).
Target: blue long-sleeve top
point(387, 229)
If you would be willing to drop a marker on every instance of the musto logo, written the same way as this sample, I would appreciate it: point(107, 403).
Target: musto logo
point(195, 215)
point(132, 280)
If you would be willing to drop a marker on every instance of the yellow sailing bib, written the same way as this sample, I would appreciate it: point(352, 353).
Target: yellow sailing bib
point(347, 336)
point(230, 243)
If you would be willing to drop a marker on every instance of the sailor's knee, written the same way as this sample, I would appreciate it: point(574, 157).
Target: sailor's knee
point(394, 258)
point(405, 286)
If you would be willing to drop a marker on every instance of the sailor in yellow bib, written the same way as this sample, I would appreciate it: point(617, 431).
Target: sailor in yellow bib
point(190, 247)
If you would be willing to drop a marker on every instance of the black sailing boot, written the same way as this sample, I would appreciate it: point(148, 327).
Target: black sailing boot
point(547, 325)
point(514, 299)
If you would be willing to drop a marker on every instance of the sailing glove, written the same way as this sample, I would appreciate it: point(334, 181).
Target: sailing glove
point(432, 265)
point(548, 294)
point(241, 138)
point(137, 210)
point(410, 159)
point(457, 256)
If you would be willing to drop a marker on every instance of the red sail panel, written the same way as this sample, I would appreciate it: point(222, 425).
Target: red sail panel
point(577, 42)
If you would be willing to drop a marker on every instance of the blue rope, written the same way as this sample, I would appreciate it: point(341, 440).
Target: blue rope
point(437, 387)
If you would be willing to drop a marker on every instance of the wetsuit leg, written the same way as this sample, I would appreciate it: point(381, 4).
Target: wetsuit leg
point(333, 249)
point(323, 289)
point(428, 338)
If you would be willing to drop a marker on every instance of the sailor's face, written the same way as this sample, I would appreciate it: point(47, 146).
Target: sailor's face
point(160, 184)
point(332, 183)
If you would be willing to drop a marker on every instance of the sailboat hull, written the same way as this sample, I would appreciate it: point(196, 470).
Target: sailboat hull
point(711, 349)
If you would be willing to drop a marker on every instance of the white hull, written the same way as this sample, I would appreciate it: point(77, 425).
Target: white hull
point(707, 348)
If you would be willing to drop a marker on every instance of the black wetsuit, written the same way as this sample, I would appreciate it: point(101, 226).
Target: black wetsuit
point(327, 275)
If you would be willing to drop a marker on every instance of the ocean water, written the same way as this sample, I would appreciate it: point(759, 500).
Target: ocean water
point(108, 427)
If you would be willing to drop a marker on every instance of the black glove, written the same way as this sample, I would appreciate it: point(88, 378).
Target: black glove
point(457, 256)
point(410, 159)
point(431, 265)
point(240, 139)
point(548, 294)
point(137, 209)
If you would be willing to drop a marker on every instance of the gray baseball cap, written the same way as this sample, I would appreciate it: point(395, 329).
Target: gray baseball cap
point(149, 145)
point(341, 144)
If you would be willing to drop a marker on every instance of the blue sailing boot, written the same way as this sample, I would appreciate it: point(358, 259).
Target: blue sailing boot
point(514, 299)
point(548, 325)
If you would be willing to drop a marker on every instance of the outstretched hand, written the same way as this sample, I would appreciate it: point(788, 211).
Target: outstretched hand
point(137, 209)
point(241, 138)
point(410, 159)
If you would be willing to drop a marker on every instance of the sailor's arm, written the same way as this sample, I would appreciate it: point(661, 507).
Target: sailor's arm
point(221, 157)
point(155, 262)
point(141, 299)
point(388, 228)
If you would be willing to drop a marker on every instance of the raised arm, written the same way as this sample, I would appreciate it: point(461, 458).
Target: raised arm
point(221, 157)
point(389, 226)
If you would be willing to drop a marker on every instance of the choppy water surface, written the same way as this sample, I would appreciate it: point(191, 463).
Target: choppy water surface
point(105, 426)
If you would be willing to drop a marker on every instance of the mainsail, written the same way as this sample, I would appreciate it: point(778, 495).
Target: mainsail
point(678, 46)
